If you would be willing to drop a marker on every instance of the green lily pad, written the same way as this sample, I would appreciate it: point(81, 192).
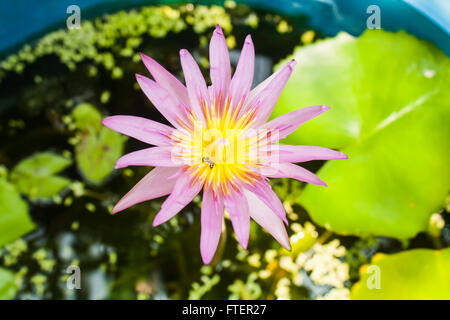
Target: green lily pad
point(413, 274)
point(36, 176)
point(390, 106)
point(8, 288)
point(98, 148)
point(14, 219)
point(87, 117)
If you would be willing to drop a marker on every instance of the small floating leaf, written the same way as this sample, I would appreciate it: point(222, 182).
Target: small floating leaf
point(99, 148)
point(14, 219)
point(87, 117)
point(35, 176)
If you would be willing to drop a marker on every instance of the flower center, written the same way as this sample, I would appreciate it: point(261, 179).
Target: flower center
point(223, 154)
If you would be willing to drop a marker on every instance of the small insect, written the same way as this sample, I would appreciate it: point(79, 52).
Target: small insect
point(208, 161)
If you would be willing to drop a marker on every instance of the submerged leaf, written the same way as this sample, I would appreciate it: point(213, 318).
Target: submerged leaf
point(99, 148)
point(414, 274)
point(390, 106)
point(87, 117)
point(14, 219)
point(35, 176)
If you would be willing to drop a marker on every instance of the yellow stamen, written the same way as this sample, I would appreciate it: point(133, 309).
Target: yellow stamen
point(218, 153)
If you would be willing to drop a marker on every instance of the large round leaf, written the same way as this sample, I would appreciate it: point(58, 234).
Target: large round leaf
point(414, 274)
point(8, 288)
point(14, 220)
point(390, 106)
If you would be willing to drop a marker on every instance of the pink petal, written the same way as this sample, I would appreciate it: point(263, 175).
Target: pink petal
point(237, 207)
point(166, 80)
point(290, 153)
point(166, 104)
point(290, 170)
point(243, 76)
point(211, 225)
point(267, 219)
point(155, 157)
point(267, 96)
point(183, 192)
point(145, 130)
point(264, 192)
point(149, 187)
point(220, 69)
point(289, 122)
point(195, 83)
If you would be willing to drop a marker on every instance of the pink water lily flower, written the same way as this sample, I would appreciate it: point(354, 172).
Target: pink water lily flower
point(220, 142)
